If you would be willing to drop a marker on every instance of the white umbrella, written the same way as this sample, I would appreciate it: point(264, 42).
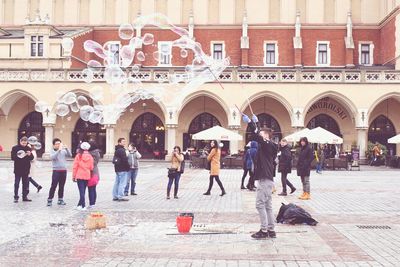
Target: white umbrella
point(217, 133)
point(321, 136)
point(394, 139)
point(295, 137)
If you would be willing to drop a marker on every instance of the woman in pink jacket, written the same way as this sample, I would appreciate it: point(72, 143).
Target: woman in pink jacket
point(81, 173)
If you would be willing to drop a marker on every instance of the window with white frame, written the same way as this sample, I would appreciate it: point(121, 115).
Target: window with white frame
point(270, 53)
point(37, 46)
point(165, 53)
point(323, 54)
point(218, 50)
point(114, 56)
point(366, 53)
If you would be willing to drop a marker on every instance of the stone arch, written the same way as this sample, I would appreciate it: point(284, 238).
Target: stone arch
point(394, 95)
point(349, 105)
point(8, 100)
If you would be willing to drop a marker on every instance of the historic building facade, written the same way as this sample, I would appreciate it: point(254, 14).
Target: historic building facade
point(320, 66)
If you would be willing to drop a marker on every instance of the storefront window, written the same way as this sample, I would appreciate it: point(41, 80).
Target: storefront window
point(326, 122)
point(88, 132)
point(32, 124)
point(380, 130)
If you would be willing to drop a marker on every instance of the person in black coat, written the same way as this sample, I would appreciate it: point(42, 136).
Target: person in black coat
point(121, 167)
point(22, 156)
point(264, 172)
point(285, 167)
point(306, 157)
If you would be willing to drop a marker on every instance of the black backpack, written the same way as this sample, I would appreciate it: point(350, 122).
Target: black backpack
point(182, 166)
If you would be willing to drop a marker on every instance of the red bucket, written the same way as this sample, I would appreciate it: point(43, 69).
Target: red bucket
point(184, 223)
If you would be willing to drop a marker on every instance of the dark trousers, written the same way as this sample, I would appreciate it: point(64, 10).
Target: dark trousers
point(82, 184)
point(210, 185)
point(58, 179)
point(250, 184)
point(245, 172)
point(285, 182)
point(92, 195)
point(35, 184)
point(175, 181)
point(25, 186)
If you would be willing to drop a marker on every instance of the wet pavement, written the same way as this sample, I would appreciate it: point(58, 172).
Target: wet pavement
point(358, 214)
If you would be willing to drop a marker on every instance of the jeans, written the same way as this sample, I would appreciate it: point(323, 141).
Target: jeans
point(176, 184)
point(264, 204)
point(306, 183)
point(25, 186)
point(132, 174)
point(119, 184)
point(210, 185)
point(319, 166)
point(58, 178)
point(250, 184)
point(285, 182)
point(92, 195)
point(82, 184)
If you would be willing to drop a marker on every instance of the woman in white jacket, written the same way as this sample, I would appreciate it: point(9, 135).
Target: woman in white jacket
point(34, 166)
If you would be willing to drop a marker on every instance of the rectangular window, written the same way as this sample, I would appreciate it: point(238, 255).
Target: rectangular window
point(365, 54)
point(113, 57)
point(36, 46)
point(165, 53)
point(218, 51)
point(270, 54)
point(323, 54)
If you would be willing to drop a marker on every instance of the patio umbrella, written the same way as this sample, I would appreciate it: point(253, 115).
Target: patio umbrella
point(321, 136)
point(295, 137)
point(217, 133)
point(394, 139)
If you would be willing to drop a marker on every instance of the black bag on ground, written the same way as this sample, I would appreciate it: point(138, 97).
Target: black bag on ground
point(182, 170)
point(293, 214)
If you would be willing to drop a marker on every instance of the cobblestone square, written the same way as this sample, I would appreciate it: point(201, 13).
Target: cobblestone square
point(358, 214)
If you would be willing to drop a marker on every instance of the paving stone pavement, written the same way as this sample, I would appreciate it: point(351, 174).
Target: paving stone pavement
point(142, 232)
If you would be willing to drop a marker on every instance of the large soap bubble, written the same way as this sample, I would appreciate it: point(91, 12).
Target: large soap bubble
point(94, 66)
point(67, 44)
point(148, 39)
point(62, 110)
point(140, 56)
point(85, 112)
point(125, 31)
point(21, 154)
point(32, 139)
point(42, 106)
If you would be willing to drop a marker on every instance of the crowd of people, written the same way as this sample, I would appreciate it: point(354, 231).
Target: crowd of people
point(261, 160)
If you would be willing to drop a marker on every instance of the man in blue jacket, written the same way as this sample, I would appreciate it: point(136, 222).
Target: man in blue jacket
point(22, 157)
point(264, 172)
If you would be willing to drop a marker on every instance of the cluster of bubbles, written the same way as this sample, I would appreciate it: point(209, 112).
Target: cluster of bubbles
point(33, 142)
point(114, 61)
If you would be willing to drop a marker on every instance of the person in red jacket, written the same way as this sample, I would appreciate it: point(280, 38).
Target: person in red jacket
point(81, 173)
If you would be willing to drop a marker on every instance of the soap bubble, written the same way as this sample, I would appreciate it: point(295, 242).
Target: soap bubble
point(85, 112)
point(148, 39)
point(32, 139)
point(114, 75)
point(87, 75)
point(74, 107)
point(127, 54)
point(69, 98)
point(94, 47)
point(82, 101)
point(42, 106)
point(62, 110)
point(135, 69)
point(184, 53)
point(37, 146)
point(95, 116)
point(125, 31)
point(67, 44)
point(94, 66)
point(21, 154)
point(136, 42)
point(140, 56)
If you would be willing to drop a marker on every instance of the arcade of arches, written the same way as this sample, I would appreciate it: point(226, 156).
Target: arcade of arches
point(147, 124)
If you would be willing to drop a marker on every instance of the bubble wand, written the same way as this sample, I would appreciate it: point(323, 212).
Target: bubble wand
point(215, 77)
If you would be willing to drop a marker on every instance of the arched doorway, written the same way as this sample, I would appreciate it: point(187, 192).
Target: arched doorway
point(380, 130)
point(200, 123)
point(148, 134)
point(32, 124)
point(326, 122)
point(88, 132)
point(266, 120)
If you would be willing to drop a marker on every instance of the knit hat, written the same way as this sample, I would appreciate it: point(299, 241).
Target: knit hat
point(85, 146)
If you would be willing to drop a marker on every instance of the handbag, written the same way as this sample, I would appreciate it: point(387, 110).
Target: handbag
point(93, 181)
point(208, 165)
point(172, 172)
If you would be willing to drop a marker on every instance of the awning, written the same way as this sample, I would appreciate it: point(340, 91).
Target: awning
point(217, 133)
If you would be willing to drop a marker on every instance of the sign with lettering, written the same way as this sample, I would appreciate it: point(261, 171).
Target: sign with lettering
point(326, 103)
